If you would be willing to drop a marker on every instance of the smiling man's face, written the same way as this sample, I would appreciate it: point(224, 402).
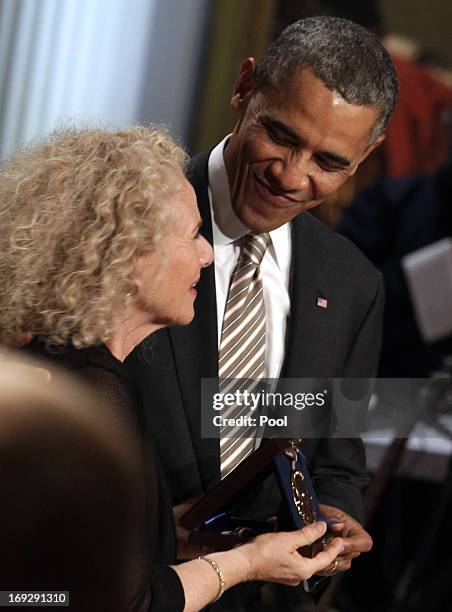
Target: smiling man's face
point(292, 147)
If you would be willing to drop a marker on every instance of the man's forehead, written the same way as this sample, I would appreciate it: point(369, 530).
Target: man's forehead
point(297, 88)
point(306, 98)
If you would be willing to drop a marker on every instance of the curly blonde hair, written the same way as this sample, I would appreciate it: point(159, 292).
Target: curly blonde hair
point(75, 214)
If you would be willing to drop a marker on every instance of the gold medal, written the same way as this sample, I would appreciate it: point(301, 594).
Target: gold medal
point(301, 496)
point(303, 500)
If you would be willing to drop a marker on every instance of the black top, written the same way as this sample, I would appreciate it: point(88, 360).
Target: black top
point(161, 590)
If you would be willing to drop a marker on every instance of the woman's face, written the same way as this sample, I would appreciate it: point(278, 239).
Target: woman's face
point(169, 274)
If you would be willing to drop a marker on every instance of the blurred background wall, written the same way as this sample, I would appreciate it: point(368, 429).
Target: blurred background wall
point(107, 62)
point(122, 61)
point(428, 22)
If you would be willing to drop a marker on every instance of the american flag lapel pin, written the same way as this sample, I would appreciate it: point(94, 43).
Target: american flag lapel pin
point(322, 302)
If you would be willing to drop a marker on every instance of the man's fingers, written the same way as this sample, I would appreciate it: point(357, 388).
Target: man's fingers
point(336, 526)
point(334, 568)
point(349, 557)
point(332, 512)
point(343, 566)
point(355, 539)
point(358, 544)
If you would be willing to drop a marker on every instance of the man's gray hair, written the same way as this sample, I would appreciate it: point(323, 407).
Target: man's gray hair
point(345, 56)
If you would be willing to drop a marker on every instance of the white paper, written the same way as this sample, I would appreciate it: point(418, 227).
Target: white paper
point(429, 276)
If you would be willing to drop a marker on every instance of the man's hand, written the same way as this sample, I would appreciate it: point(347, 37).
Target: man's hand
point(186, 551)
point(355, 538)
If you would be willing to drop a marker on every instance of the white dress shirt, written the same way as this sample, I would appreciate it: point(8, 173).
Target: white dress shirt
point(275, 267)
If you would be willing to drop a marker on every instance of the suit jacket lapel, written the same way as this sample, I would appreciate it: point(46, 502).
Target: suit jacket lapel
point(195, 346)
point(310, 327)
point(308, 330)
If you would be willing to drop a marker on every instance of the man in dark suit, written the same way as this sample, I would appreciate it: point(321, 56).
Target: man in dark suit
point(308, 114)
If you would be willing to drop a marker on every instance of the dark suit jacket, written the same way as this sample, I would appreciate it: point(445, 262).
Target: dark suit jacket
point(342, 340)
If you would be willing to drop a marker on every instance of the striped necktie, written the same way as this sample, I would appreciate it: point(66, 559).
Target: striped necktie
point(242, 347)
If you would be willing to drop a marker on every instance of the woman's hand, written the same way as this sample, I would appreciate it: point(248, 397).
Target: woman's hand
point(273, 557)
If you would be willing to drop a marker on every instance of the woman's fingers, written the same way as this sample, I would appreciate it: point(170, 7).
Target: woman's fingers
point(274, 556)
point(308, 534)
point(326, 557)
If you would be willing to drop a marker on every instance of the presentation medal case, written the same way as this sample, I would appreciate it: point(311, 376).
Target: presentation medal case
point(212, 521)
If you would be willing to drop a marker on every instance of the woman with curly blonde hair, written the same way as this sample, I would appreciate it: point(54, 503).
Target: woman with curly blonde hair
point(75, 214)
point(99, 248)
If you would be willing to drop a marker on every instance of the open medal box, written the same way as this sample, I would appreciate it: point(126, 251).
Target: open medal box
point(211, 520)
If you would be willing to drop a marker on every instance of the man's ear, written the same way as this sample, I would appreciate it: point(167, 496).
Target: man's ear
point(368, 151)
point(244, 83)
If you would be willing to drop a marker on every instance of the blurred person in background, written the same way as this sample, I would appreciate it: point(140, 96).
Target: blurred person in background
point(388, 221)
point(71, 497)
point(99, 248)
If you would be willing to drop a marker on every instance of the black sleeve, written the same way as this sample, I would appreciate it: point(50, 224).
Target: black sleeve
point(371, 221)
point(157, 587)
point(114, 392)
point(166, 588)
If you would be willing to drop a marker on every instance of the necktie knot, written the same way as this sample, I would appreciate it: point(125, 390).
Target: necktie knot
point(254, 247)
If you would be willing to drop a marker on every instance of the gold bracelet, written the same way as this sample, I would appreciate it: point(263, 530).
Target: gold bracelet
point(220, 575)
